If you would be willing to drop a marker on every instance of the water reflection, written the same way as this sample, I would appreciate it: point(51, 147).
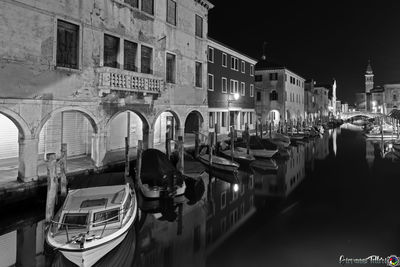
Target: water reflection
point(181, 231)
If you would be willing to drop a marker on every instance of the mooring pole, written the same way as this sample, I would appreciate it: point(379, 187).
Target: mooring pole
point(181, 151)
point(196, 144)
point(139, 160)
point(63, 168)
point(126, 174)
point(51, 163)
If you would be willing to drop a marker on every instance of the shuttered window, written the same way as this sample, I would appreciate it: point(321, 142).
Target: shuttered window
point(171, 12)
point(170, 68)
point(199, 26)
point(133, 3)
point(148, 6)
point(130, 53)
point(199, 74)
point(146, 59)
point(67, 45)
point(111, 47)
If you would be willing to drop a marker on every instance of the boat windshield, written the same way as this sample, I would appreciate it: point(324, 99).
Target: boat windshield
point(105, 217)
point(75, 220)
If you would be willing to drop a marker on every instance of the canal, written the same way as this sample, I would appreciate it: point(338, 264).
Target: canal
point(332, 196)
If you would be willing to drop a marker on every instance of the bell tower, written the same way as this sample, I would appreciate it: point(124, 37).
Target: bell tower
point(369, 78)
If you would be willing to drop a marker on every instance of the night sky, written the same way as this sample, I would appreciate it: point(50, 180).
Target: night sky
point(321, 40)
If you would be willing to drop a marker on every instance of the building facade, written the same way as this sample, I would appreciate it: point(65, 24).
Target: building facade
point(391, 96)
point(229, 73)
point(321, 93)
point(279, 93)
point(90, 74)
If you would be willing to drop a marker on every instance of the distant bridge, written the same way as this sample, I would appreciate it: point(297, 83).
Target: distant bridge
point(349, 115)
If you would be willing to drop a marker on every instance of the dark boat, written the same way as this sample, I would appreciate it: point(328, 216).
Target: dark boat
point(262, 148)
point(159, 177)
point(239, 155)
point(265, 165)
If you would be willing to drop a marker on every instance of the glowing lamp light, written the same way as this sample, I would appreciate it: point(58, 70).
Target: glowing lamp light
point(390, 146)
point(235, 188)
point(236, 96)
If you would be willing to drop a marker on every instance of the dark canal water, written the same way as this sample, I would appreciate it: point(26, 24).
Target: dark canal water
point(333, 196)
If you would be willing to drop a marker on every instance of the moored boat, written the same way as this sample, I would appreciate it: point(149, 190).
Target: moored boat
point(265, 165)
point(260, 148)
point(239, 155)
point(219, 163)
point(159, 177)
point(92, 221)
point(280, 140)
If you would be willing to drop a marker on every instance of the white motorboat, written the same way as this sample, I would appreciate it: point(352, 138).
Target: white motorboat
point(92, 221)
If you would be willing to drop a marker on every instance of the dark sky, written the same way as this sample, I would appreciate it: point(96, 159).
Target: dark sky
point(316, 39)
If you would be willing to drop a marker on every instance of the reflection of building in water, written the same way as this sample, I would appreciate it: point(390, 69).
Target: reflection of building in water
point(369, 152)
point(309, 150)
point(231, 209)
point(334, 145)
point(171, 244)
point(289, 176)
point(23, 245)
point(322, 147)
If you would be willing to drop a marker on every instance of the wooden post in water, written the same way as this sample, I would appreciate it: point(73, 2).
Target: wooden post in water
point(139, 160)
point(63, 168)
point(256, 127)
point(51, 162)
point(247, 138)
point(210, 147)
point(216, 139)
point(181, 151)
point(279, 127)
point(286, 128)
point(126, 174)
point(261, 130)
point(196, 144)
point(232, 140)
point(167, 145)
point(270, 130)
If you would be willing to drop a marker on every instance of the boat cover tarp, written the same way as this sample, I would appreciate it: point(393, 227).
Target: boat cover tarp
point(257, 143)
point(157, 169)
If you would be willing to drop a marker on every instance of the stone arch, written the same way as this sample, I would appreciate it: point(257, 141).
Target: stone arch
point(88, 115)
point(20, 123)
point(161, 126)
point(176, 116)
point(193, 124)
point(146, 122)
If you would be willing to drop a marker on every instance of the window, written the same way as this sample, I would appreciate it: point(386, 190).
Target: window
point(146, 59)
point(130, 53)
point(199, 26)
point(273, 76)
point(224, 85)
point(210, 82)
point(211, 119)
point(258, 78)
point(234, 63)
point(105, 217)
point(394, 97)
point(132, 3)
point(211, 54)
point(170, 68)
point(243, 66)
point(199, 74)
point(242, 88)
point(251, 70)
point(234, 87)
point(148, 6)
point(251, 118)
point(76, 220)
point(223, 200)
point(258, 96)
point(171, 12)
point(67, 45)
point(252, 90)
point(224, 60)
point(273, 96)
point(223, 119)
point(111, 47)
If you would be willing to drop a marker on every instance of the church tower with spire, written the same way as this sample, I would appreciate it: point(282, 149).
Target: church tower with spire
point(369, 78)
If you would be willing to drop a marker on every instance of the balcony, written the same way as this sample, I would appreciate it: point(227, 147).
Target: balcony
point(111, 79)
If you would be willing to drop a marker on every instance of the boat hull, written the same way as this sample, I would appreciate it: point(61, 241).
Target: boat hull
point(232, 166)
point(153, 194)
point(263, 153)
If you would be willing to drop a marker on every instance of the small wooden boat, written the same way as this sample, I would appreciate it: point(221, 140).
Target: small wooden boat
point(219, 163)
point(260, 148)
point(92, 221)
point(280, 140)
point(264, 165)
point(239, 155)
point(159, 177)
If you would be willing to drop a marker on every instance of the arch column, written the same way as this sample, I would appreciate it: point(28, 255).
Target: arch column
point(28, 159)
point(148, 138)
point(99, 148)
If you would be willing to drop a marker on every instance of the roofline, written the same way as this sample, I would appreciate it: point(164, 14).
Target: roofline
point(205, 4)
point(225, 48)
point(281, 68)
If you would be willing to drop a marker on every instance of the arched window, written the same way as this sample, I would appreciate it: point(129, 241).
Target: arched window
point(273, 96)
